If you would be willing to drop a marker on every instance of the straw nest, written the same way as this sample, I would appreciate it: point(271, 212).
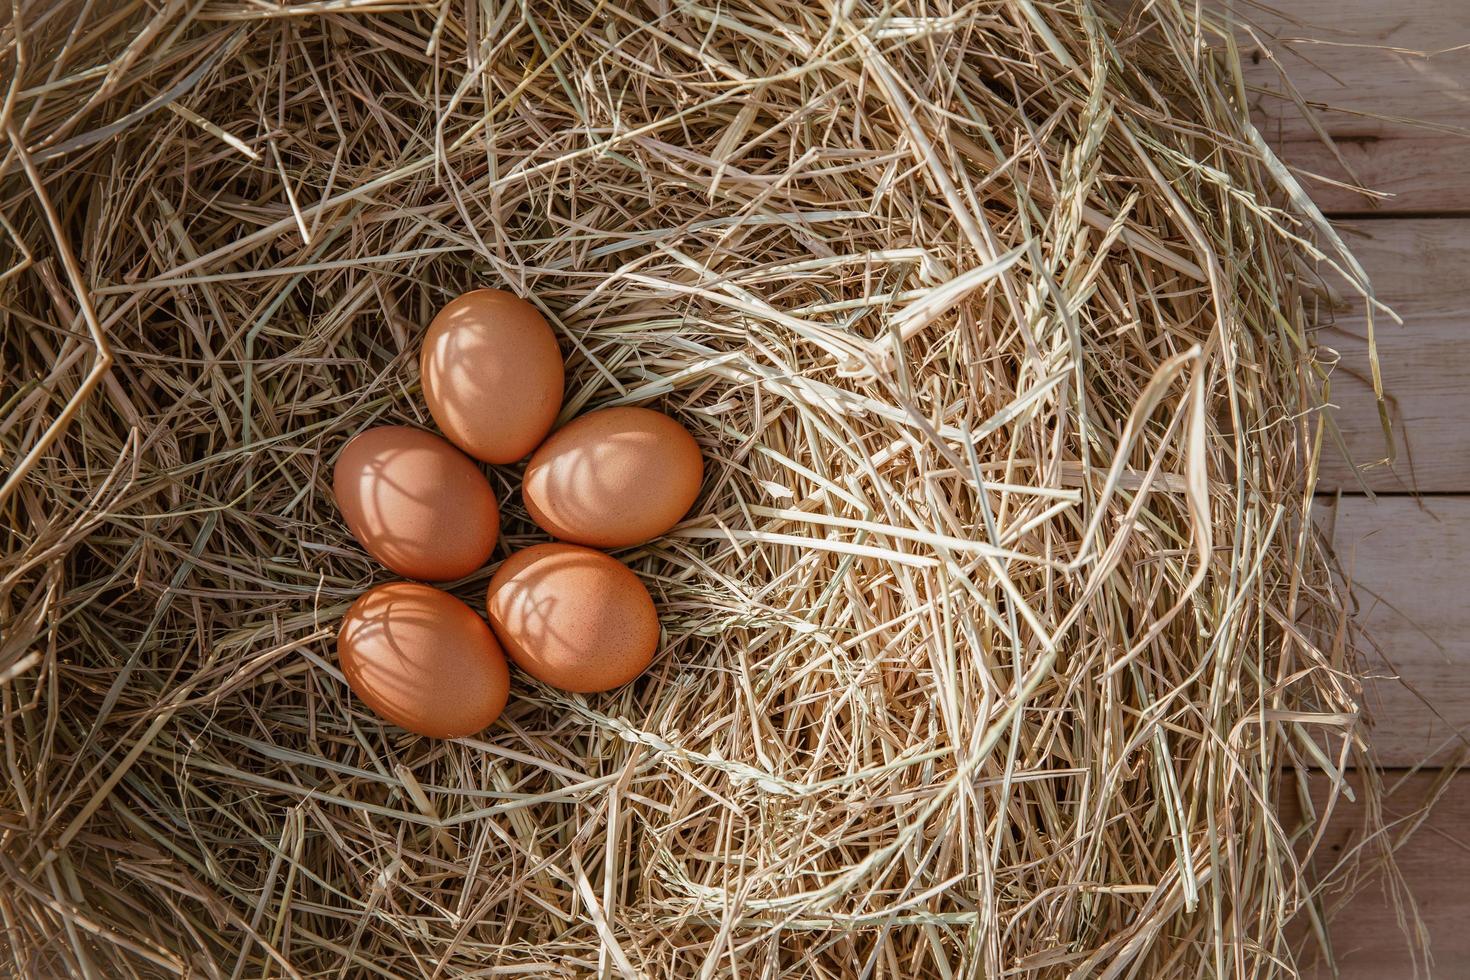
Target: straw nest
point(986, 646)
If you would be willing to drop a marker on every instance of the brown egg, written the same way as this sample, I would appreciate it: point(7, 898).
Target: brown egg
point(423, 660)
point(417, 504)
point(614, 478)
point(572, 617)
point(492, 375)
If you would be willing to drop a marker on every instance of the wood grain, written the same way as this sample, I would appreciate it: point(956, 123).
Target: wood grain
point(1433, 858)
point(1406, 559)
point(1387, 84)
point(1406, 556)
point(1420, 268)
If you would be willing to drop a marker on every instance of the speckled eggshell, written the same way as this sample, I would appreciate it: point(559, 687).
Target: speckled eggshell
point(423, 660)
point(415, 503)
point(614, 478)
point(572, 617)
point(492, 375)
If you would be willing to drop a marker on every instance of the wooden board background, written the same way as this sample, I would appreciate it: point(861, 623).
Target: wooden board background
point(1420, 268)
point(1427, 821)
point(1388, 78)
point(1389, 82)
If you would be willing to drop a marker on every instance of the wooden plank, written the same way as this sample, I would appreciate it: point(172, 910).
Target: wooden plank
point(1419, 268)
point(1433, 859)
point(1418, 173)
point(1406, 560)
point(1387, 71)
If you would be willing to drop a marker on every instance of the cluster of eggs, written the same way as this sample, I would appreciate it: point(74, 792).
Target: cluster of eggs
point(565, 613)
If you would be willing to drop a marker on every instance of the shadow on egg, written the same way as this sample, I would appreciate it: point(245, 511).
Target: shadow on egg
point(423, 660)
point(492, 374)
point(395, 630)
point(415, 503)
point(574, 618)
point(614, 478)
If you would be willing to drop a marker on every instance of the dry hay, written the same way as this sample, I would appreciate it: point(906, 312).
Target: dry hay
point(989, 640)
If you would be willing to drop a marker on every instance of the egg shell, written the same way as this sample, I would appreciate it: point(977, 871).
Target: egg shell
point(492, 375)
point(415, 503)
point(423, 660)
point(613, 478)
point(572, 617)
